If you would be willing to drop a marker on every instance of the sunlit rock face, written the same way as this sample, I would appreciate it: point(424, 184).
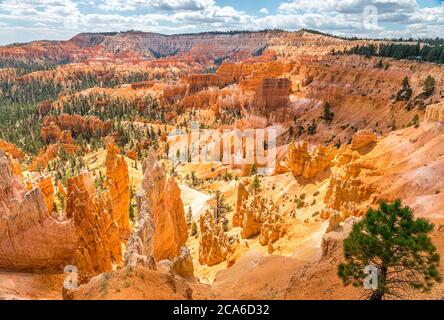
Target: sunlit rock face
point(161, 198)
point(99, 245)
point(214, 244)
point(308, 163)
point(435, 112)
point(271, 94)
point(30, 239)
point(258, 216)
point(362, 138)
point(118, 187)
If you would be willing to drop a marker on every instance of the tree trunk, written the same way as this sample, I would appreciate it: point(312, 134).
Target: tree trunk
point(378, 294)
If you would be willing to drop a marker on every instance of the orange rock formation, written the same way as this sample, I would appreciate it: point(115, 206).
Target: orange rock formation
point(161, 198)
point(11, 149)
point(117, 184)
point(308, 163)
point(214, 244)
point(99, 246)
point(30, 239)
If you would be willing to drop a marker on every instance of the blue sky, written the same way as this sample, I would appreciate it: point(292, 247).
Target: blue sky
point(27, 20)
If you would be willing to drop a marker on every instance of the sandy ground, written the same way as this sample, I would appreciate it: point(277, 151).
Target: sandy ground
point(18, 286)
point(195, 200)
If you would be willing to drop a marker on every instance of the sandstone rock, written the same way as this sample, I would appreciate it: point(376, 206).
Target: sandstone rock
point(160, 200)
point(61, 189)
point(42, 160)
point(334, 222)
point(256, 215)
point(51, 133)
point(242, 195)
point(140, 244)
point(346, 187)
point(99, 246)
point(214, 245)
point(345, 193)
point(435, 112)
point(272, 94)
point(362, 138)
point(15, 167)
point(44, 107)
point(11, 149)
point(47, 188)
point(183, 264)
point(76, 124)
point(117, 184)
point(31, 239)
point(309, 164)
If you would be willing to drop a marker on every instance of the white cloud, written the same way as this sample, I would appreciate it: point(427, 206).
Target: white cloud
point(167, 5)
point(21, 18)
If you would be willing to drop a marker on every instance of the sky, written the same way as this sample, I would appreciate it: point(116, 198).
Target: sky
point(27, 20)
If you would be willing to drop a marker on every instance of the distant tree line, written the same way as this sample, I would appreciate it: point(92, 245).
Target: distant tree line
point(427, 53)
point(36, 90)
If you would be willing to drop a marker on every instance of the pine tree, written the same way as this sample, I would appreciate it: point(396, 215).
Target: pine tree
point(189, 216)
point(221, 207)
point(256, 184)
point(327, 115)
point(194, 229)
point(194, 179)
point(429, 85)
point(397, 245)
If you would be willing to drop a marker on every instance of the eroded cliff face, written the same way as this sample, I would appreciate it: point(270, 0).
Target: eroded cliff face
point(118, 186)
point(54, 127)
point(362, 139)
point(99, 245)
point(159, 198)
point(31, 239)
point(435, 112)
point(271, 95)
point(89, 235)
point(42, 160)
point(309, 163)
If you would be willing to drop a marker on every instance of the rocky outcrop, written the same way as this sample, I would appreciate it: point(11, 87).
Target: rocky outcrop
point(272, 94)
point(61, 189)
point(183, 264)
point(435, 112)
point(160, 199)
point(99, 245)
point(214, 244)
point(362, 138)
point(118, 186)
point(345, 193)
point(11, 149)
point(242, 195)
point(30, 238)
point(46, 186)
point(42, 160)
point(309, 163)
point(53, 134)
point(76, 124)
point(257, 215)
